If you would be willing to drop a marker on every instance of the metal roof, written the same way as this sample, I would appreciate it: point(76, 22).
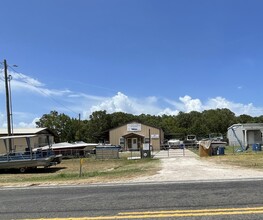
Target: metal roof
point(247, 126)
point(132, 134)
point(22, 131)
point(17, 136)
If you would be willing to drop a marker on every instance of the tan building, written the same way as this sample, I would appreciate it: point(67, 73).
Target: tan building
point(133, 135)
point(42, 137)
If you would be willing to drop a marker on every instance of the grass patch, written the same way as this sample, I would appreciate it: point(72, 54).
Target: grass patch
point(247, 159)
point(93, 170)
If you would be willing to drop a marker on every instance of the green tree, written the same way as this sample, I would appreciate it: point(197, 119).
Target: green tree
point(120, 118)
point(169, 126)
point(245, 119)
point(218, 120)
point(59, 124)
point(150, 120)
point(259, 119)
point(98, 126)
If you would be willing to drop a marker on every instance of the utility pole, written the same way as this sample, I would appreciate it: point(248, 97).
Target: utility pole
point(79, 128)
point(7, 106)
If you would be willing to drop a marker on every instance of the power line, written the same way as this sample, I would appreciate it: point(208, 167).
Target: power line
point(2, 77)
point(41, 91)
point(11, 67)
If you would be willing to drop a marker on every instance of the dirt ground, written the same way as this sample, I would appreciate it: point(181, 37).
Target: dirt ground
point(188, 166)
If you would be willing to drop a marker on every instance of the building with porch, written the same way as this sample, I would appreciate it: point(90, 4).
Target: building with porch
point(132, 136)
point(245, 134)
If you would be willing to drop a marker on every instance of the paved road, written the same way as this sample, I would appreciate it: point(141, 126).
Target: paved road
point(192, 200)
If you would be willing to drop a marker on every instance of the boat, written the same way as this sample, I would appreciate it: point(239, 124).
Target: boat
point(28, 159)
point(174, 143)
point(190, 141)
point(210, 147)
point(68, 150)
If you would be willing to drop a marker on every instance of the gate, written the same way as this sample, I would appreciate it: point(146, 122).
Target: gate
point(173, 153)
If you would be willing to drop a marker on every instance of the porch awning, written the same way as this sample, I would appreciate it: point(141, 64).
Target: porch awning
point(130, 135)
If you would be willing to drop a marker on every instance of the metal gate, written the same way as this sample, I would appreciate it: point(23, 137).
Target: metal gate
point(173, 153)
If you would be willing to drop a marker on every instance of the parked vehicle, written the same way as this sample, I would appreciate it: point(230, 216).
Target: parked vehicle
point(174, 143)
point(190, 141)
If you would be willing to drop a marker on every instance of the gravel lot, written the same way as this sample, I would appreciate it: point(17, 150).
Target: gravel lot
point(188, 166)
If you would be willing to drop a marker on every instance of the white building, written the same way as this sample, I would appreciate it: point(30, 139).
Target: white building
point(245, 134)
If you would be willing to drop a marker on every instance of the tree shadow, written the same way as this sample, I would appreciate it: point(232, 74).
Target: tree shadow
point(32, 170)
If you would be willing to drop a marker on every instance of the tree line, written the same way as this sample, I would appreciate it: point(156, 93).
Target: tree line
point(96, 128)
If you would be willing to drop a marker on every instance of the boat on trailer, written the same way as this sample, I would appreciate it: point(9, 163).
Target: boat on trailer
point(28, 159)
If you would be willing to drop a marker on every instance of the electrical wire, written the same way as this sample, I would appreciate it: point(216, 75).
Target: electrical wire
point(41, 91)
point(2, 77)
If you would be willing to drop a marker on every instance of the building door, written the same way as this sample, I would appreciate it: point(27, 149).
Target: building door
point(254, 137)
point(134, 143)
point(129, 143)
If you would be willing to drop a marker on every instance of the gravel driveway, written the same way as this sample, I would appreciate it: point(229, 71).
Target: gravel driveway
point(188, 166)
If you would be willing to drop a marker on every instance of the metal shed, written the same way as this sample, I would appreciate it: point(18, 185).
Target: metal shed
point(107, 152)
point(245, 134)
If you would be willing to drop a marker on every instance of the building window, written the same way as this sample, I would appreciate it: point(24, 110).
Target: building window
point(122, 141)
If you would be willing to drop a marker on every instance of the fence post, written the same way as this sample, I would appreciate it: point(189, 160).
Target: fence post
point(80, 167)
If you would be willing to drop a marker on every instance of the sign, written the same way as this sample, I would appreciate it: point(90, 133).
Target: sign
point(146, 147)
point(154, 136)
point(134, 127)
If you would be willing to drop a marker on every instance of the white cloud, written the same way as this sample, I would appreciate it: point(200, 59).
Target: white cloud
point(117, 103)
point(28, 80)
point(168, 111)
point(21, 82)
point(191, 104)
point(2, 120)
point(150, 105)
point(27, 125)
point(20, 124)
point(186, 104)
point(123, 103)
point(237, 108)
point(218, 102)
point(22, 86)
point(86, 103)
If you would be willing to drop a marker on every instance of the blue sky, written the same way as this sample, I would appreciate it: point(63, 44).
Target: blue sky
point(137, 56)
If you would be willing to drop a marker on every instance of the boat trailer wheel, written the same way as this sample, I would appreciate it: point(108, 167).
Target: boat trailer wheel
point(22, 169)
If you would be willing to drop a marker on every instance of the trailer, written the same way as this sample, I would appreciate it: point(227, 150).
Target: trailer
point(29, 158)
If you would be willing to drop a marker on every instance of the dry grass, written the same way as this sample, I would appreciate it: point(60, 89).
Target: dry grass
point(246, 159)
point(93, 171)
